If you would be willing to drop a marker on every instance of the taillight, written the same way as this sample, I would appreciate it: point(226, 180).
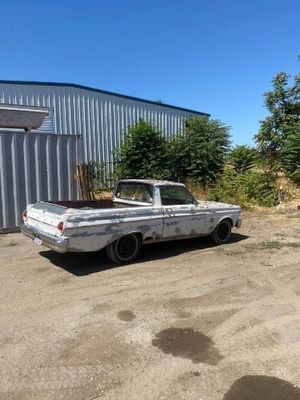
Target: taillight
point(25, 216)
point(61, 227)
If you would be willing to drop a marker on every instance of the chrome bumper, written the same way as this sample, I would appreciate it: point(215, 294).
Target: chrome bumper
point(56, 243)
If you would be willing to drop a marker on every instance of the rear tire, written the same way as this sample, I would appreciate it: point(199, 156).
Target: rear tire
point(124, 250)
point(222, 232)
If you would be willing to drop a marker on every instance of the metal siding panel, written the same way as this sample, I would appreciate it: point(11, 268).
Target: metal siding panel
point(96, 129)
point(100, 118)
point(78, 114)
point(3, 181)
point(34, 166)
point(49, 161)
point(109, 131)
point(102, 134)
point(83, 129)
point(9, 179)
point(37, 168)
point(88, 128)
point(54, 171)
point(59, 168)
point(119, 124)
point(93, 128)
point(114, 126)
point(17, 168)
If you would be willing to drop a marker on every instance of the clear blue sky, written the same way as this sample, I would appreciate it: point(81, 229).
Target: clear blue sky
point(217, 57)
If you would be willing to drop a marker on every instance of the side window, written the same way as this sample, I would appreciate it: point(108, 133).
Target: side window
point(176, 195)
point(135, 192)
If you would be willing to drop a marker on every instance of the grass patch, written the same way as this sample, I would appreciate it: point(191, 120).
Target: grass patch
point(266, 245)
point(270, 245)
point(11, 243)
point(293, 215)
point(281, 235)
point(233, 252)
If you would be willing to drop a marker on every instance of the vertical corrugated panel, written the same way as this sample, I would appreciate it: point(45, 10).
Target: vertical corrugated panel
point(34, 166)
point(100, 118)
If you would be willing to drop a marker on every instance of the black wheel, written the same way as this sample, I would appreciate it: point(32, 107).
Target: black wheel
point(222, 232)
point(125, 249)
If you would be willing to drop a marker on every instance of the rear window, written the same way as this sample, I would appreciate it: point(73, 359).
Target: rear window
point(175, 195)
point(135, 192)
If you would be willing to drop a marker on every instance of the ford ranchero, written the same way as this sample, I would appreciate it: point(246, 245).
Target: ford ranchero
point(140, 212)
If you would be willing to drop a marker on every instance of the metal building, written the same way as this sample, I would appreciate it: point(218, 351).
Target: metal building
point(83, 124)
point(100, 117)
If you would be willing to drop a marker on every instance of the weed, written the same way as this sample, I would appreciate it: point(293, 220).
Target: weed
point(12, 243)
point(270, 245)
point(233, 252)
point(293, 215)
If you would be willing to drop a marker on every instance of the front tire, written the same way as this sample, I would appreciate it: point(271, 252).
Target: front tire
point(222, 232)
point(124, 250)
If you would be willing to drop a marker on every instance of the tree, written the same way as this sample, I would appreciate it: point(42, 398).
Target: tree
point(283, 104)
point(143, 154)
point(291, 152)
point(200, 152)
point(242, 158)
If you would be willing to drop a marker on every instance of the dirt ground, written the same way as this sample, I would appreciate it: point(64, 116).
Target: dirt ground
point(187, 321)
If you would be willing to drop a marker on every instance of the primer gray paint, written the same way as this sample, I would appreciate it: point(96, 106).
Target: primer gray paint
point(100, 117)
point(94, 229)
point(34, 167)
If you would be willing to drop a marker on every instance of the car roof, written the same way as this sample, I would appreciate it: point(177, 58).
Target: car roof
point(153, 182)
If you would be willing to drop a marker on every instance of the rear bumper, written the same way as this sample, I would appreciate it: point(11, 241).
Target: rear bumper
point(56, 243)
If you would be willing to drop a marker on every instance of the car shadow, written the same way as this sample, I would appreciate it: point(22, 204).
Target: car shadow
point(81, 264)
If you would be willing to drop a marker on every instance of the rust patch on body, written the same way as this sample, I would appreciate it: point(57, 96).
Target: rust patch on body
point(187, 343)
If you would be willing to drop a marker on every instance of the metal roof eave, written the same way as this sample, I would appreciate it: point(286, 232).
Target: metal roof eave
point(17, 82)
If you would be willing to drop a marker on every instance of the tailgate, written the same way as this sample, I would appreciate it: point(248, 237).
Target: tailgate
point(45, 216)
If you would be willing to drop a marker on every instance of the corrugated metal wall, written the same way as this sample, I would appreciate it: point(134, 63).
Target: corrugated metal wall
point(100, 117)
point(34, 166)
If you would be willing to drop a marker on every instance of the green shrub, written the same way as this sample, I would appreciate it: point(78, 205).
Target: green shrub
point(247, 189)
point(295, 177)
point(144, 154)
point(199, 154)
point(291, 153)
point(282, 103)
point(242, 158)
point(228, 189)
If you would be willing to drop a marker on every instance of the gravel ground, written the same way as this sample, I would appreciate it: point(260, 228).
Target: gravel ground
point(188, 320)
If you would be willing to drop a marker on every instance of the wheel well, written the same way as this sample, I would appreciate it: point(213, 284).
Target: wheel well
point(227, 219)
point(117, 257)
point(139, 234)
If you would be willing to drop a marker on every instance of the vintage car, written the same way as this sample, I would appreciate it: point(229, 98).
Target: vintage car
point(141, 211)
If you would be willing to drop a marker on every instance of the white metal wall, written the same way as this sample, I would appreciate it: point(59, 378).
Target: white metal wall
point(35, 166)
point(100, 117)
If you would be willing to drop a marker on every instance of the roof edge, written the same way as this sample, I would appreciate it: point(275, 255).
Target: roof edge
point(74, 85)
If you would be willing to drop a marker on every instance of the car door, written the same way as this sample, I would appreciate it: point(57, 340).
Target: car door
point(182, 217)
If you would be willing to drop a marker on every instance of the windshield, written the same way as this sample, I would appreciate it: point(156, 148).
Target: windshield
point(135, 192)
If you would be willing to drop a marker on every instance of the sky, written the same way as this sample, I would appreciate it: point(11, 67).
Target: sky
point(212, 56)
